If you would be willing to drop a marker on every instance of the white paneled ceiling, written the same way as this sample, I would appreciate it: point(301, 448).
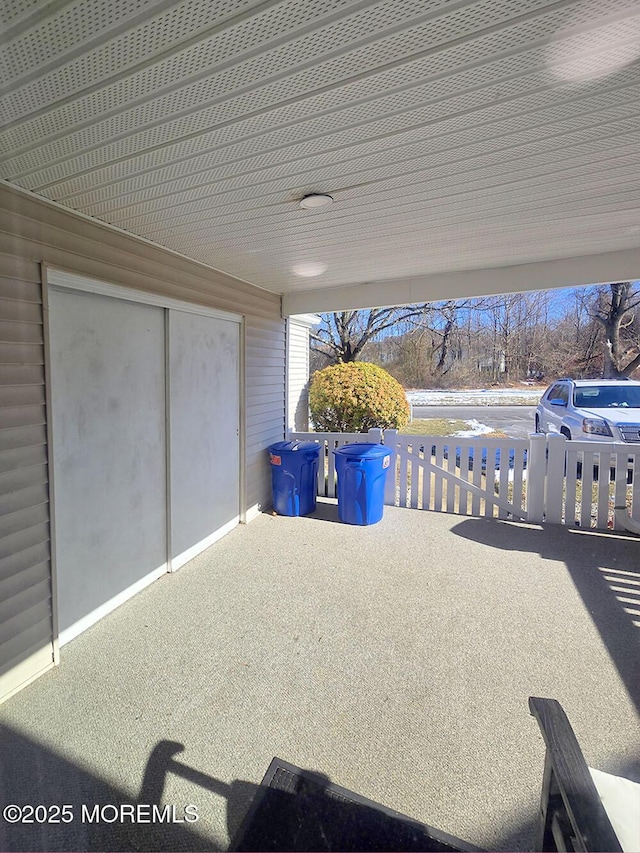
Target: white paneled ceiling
point(453, 135)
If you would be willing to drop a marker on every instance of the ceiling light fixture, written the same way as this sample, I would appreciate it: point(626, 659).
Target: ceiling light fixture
point(309, 269)
point(313, 200)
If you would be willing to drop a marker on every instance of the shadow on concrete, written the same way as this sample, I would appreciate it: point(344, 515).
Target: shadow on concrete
point(519, 838)
point(323, 512)
point(295, 810)
point(604, 568)
point(326, 512)
point(33, 773)
point(302, 810)
point(162, 762)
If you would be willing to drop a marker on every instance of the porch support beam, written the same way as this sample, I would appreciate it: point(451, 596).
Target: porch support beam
point(623, 265)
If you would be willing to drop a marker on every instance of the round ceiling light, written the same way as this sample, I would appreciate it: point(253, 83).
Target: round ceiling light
point(309, 269)
point(314, 200)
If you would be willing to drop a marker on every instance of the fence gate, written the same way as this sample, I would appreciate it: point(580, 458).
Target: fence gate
point(542, 478)
point(469, 477)
point(477, 477)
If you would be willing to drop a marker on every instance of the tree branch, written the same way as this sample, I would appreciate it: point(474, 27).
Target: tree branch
point(635, 362)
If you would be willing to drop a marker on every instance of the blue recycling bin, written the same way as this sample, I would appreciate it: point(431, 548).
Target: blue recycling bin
point(362, 472)
point(294, 472)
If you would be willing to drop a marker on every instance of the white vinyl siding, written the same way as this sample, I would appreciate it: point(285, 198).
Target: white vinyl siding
point(33, 232)
point(26, 620)
point(264, 391)
point(298, 377)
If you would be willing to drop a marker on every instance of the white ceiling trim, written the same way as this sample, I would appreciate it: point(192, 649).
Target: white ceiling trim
point(565, 272)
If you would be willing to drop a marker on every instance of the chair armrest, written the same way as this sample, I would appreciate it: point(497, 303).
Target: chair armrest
point(572, 815)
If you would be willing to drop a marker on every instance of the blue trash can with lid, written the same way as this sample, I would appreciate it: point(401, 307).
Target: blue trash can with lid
point(294, 472)
point(362, 472)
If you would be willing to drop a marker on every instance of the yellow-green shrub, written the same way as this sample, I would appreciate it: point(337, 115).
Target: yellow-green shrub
point(356, 396)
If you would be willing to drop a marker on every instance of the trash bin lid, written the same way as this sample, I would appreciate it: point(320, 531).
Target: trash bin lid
point(290, 446)
point(364, 451)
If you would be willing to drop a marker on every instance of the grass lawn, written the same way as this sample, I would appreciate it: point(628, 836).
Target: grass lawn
point(442, 426)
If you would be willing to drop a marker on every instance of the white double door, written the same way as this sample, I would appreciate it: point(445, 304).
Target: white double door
point(146, 464)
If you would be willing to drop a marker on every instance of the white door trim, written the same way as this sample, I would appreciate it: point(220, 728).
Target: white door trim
point(69, 281)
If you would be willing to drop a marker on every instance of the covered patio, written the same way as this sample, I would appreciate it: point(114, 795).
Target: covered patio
point(397, 659)
point(248, 162)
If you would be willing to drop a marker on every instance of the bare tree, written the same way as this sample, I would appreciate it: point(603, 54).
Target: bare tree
point(435, 346)
point(614, 311)
point(449, 312)
point(569, 344)
point(508, 317)
point(586, 331)
point(342, 336)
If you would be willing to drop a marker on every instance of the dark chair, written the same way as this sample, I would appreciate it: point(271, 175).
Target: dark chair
point(296, 810)
point(572, 814)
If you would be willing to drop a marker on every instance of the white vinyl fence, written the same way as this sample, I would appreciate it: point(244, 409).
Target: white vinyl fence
point(542, 478)
point(585, 480)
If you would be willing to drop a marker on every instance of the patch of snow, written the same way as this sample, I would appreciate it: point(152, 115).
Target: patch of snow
point(475, 428)
point(475, 397)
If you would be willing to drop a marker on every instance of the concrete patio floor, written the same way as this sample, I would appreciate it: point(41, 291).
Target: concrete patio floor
point(396, 659)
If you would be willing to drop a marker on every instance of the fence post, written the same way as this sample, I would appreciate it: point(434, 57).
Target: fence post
point(390, 441)
point(554, 487)
point(536, 476)
point(375, 435)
